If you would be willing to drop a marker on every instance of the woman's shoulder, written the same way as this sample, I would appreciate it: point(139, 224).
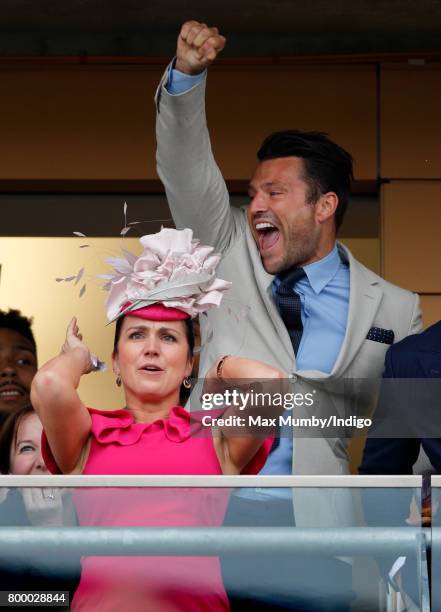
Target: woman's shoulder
point(101, 420)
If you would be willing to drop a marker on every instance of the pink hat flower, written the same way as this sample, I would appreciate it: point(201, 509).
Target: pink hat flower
point(173, 269)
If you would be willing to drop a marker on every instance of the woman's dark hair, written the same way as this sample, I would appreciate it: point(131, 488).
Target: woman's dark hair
point(328, 167)
point(8, 434)
point(189, 332)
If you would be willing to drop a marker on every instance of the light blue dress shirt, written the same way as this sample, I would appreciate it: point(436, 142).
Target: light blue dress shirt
point(178, 81)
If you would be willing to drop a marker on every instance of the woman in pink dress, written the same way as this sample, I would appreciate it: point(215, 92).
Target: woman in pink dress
point(152, 359)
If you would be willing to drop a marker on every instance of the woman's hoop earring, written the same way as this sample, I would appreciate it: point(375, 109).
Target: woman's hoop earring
point(118, 381)
point(186, 382)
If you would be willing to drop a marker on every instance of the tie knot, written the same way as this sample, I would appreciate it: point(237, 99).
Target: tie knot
point(289, 279)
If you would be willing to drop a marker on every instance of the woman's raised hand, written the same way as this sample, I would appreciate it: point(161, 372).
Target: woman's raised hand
point(74, 343)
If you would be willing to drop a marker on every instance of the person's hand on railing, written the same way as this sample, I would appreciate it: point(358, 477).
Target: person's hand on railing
point(423, 518)
point(44, 506)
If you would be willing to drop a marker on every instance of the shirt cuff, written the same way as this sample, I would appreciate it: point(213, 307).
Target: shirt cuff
point(179, 82)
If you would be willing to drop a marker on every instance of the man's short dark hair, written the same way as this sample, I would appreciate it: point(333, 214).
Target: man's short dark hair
point(13, 319)
point(328, 167)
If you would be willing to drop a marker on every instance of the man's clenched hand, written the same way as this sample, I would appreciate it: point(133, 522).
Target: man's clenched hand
point(198, 46)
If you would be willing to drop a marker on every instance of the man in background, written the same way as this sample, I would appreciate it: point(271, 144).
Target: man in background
point(18, 361)
point(408, 411)
point(416, 357)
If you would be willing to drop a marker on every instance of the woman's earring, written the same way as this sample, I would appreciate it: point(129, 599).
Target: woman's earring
point(186, 382)
point(118, 381)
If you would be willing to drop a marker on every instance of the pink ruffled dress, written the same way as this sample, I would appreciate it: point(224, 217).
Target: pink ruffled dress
point(167, 446)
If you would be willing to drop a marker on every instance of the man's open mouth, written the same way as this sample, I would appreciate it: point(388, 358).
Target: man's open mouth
point(267, 235)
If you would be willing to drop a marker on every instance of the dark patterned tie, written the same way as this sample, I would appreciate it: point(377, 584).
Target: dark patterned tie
point(288, 303)
point(289, 306)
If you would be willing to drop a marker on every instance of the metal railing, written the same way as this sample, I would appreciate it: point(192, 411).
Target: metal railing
point(304, 481)
point(206, 541)
point(19, 544)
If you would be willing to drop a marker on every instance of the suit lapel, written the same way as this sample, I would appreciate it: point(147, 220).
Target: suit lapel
point(364, 299)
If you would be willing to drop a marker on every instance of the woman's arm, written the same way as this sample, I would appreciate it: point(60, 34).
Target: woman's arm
point(235, 451)
point(66, 420)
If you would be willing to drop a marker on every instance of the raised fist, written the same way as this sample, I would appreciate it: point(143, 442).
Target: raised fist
point(198, 46)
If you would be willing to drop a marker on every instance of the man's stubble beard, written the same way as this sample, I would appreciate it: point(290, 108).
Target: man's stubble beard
point(301, 248)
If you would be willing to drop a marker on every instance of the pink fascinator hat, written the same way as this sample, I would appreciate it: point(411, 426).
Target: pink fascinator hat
point(156, 312)
point(173, 279)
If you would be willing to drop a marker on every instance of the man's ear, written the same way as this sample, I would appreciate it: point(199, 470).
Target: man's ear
point(326, 206)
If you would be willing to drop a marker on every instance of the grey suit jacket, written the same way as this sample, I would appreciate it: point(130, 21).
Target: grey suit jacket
point(248, 323)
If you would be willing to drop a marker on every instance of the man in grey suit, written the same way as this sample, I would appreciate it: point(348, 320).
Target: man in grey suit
point(313, 311)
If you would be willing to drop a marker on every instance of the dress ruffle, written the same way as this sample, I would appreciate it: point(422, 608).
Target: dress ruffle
point(119, 426)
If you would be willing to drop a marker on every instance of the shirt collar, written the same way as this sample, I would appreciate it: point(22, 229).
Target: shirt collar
point(321, 272)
